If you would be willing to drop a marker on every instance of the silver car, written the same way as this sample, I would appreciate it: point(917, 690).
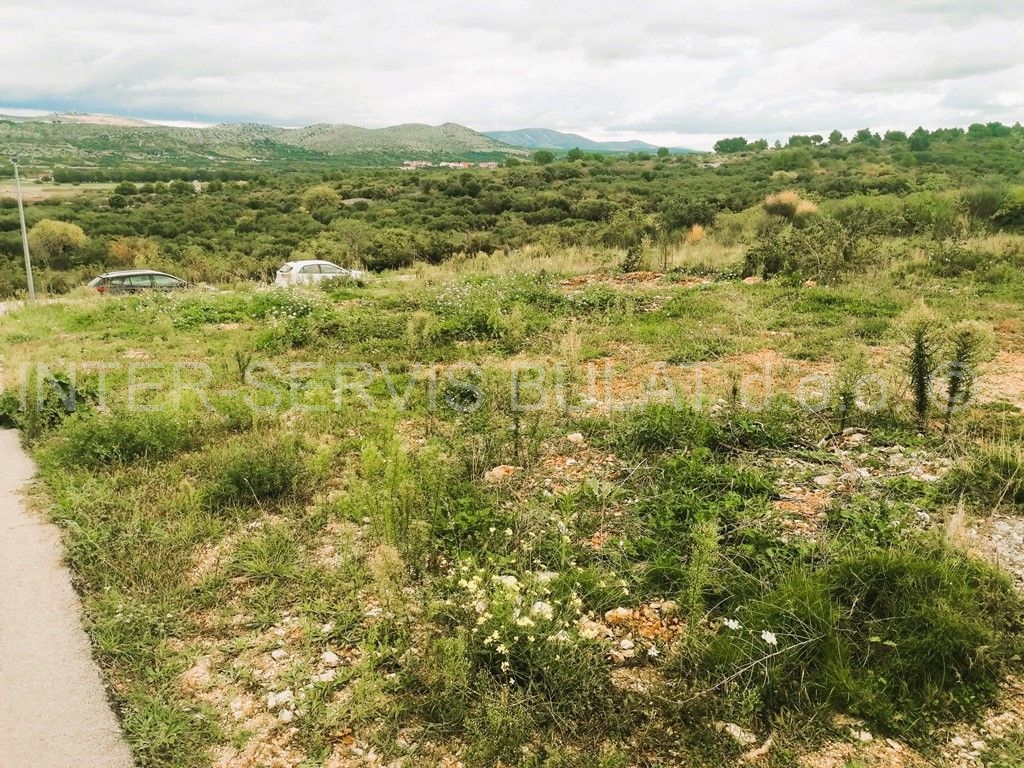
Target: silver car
point(311, 271)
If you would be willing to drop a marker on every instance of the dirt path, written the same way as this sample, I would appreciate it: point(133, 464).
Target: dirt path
point(53, 708)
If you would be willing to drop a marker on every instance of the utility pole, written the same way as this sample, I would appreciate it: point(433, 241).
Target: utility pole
point(24, 235)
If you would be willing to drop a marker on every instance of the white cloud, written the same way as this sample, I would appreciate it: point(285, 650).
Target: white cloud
point(673, 72)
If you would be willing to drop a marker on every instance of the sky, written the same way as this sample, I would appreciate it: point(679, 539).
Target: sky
point(672, 72)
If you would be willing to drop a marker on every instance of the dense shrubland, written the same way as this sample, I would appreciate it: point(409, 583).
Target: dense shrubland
point(842, 197)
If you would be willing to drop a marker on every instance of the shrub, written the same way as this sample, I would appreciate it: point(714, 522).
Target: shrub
point(983, 202)
point(244, 474)
point(920, 359)
point(525, 638)
point(789, 205)
point(45, 404)
point(903, 637)
point(95, 441)
point(967, 341)
point(822, 249)
point(1011, 214)
point(663, 427)
point(269, 555)
point(992, 474)
point(695, 234)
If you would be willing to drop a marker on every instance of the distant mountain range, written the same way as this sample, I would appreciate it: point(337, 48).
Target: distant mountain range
point(545, 138)
point(104, 140)
point(84, 141)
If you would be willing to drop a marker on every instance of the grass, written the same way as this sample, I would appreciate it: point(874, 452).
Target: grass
point(357, 553)
point(903, 637)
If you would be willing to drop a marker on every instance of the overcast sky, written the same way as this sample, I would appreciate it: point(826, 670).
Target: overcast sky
point(670, 71)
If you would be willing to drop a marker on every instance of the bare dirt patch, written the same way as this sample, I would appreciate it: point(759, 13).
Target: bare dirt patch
point(1003, 379)
point(625, 279)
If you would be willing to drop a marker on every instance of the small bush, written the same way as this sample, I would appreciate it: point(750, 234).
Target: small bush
point(44, 404)
point(695, 234)
point(984, 202)
point(789, 205)
point(904, 637)
point(95, 441)
point(821, 249)
point(524, 639)
point(662, 427)
point(246, 474)
point(270, 555)
point(991, 475)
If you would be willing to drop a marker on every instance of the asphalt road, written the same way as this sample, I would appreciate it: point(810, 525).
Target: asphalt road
point(54, 711)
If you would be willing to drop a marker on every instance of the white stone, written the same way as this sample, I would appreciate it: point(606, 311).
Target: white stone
point(592, 630)
point(279, 653)
point(575, 438)
point(330, 658)
point(740, 736)
point(275, 700)
point(286, 715)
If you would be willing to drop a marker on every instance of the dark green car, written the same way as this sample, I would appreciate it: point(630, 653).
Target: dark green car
point(136, 281)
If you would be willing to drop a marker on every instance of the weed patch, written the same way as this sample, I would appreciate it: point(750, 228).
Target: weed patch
point(905, 637)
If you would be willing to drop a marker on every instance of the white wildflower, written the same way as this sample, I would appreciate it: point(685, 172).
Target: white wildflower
point(732, 624)
point(543, 610)
point(769, 637)
point(509, 581)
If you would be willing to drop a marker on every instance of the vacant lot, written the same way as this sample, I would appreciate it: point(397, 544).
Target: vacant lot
point(534, 510)
point(32, 191)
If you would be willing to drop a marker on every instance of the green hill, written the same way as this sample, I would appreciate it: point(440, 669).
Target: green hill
point(546, 138)
point(94, 141)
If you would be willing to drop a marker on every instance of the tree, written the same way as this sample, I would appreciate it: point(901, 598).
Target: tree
point(663, 152)
point(798, 140)
point(919, 140)
point(836, 138)
point(574, 154)
point(543, 157)
point(56, 242)
point(998, 129)
point(132, 252)
point(683, 212)
point(322, 202)
point(729, 146)
point(865, 136)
